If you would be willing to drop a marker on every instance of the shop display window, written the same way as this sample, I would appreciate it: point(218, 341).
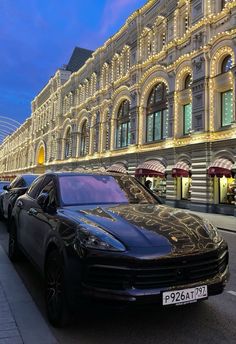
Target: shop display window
point(227, 190)
point(186, 188)
point(158, 185)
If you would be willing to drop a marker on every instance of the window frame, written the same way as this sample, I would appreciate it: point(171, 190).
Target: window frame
point(160, 106)
point(123, 125)
point(222, 108)
point(184, 118)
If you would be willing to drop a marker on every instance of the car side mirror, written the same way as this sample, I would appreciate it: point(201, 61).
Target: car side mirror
point(6, 187)
point(42, 200)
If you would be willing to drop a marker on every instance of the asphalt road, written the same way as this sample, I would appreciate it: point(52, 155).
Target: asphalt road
point(211, 321)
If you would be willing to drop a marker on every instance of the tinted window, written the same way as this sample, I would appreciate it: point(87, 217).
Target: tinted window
point(14, 182)
point(49, 188)
point(98, 189)
point(35, 187)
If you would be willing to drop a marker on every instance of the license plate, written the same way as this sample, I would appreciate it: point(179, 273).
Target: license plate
point(184, 296)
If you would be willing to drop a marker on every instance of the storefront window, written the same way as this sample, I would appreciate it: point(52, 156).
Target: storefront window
point(187, 110)
point(157, 114)
point(227, 187)
point(123, 125)
point(158, 185)
point(226, 108)
point(186, 188)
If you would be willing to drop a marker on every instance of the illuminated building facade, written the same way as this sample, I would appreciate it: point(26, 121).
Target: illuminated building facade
point(157, 100)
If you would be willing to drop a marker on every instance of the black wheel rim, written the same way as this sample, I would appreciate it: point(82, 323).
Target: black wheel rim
point(54, 290)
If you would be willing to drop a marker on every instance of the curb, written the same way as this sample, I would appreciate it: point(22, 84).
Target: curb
point(29, 321)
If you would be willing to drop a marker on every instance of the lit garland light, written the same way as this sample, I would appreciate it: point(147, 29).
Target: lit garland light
point(41, 115)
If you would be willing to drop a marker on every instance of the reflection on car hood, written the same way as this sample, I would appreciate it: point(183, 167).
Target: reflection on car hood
point(139, 225)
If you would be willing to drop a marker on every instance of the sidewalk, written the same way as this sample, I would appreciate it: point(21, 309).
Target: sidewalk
point(20, 320)
point(221, 221)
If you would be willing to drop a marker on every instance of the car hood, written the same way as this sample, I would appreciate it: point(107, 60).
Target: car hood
point(140, 225)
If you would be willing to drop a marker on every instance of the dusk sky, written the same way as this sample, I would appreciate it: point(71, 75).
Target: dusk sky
point(38, 36)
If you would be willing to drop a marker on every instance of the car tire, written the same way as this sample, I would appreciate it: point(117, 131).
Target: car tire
point(14, 253)
point(55, 290)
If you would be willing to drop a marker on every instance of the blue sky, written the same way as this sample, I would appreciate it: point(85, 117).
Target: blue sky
point(38, 36)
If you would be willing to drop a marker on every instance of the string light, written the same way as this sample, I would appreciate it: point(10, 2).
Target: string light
point(45, 112)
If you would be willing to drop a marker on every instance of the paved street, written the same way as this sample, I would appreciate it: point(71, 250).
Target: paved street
point(212, 321)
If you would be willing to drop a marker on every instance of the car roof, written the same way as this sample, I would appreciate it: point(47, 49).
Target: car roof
point(85, 173)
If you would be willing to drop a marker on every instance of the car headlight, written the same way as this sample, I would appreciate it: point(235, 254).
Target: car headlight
point(212, 231)
point(97, 238)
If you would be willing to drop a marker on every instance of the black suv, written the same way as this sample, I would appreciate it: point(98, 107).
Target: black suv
point(17, 188)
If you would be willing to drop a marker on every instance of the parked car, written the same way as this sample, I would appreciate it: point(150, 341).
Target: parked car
point(106, 236)
point(3, 183)
point(16, 188)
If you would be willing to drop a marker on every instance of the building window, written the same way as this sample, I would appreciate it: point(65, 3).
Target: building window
point(223, 3)
point(123, 126)
point(188, 81)
point(84, 140)
point(187, 115)
point(226, 64)
point(68, 144)
point(226, 108)
point(157, 114)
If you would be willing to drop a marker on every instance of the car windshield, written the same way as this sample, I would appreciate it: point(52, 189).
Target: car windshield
point(102, 189)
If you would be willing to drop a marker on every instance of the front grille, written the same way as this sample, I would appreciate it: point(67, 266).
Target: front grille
point(166, 272)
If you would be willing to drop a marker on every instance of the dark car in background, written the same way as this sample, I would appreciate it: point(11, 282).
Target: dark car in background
point(12, 191)
point(106, 236)
point(2, 184)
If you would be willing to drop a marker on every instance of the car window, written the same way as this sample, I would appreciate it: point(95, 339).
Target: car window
point(50, 189)
point(35, 187)
point(20, 183)
point(102, 189)
point(14, 183)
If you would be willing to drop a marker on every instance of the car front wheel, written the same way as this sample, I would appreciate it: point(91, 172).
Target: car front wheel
point(55, 290)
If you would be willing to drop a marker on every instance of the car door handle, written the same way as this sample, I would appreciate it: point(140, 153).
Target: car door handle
point(20, 204)
point(32, 211)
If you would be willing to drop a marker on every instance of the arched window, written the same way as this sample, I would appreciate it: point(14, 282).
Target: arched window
point(226, 64)
point(123, 125)
point(157, 114)
point(188, 81)
point(223, 3)
point(96, 132)
point(84, 140)
point(226, 96)
point(187, 108)
point(68, 144)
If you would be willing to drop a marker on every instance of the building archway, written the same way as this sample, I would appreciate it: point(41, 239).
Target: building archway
point(40, 160)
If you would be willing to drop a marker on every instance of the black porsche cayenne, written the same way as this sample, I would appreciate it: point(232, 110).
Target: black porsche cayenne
point(106, 236)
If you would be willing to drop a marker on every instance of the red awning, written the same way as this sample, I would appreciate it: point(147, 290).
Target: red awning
point(151, 168)
point(181, 169)
point(221, 167)
point(119, 168)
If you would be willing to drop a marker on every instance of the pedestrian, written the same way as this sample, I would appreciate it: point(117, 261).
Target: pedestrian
point(148, 184)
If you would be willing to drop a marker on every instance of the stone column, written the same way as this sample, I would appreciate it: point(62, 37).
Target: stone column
point(198, 94)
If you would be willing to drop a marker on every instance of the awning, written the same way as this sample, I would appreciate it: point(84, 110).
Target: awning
point(181, 169)
point(119, 168)
point(150, 168)
point(221, 167)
